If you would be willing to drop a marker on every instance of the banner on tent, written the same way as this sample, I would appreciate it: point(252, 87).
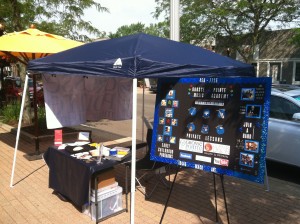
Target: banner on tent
point(213, 124)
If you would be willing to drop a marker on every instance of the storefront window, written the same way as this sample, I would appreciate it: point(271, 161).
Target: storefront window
point(275, 69)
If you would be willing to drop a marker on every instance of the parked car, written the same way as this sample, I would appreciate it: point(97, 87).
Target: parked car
point(153, 85)
point(39, 92)
point(284, 125)
point(12, 88)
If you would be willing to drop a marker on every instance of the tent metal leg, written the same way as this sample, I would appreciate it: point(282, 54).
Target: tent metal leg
point(18, 132)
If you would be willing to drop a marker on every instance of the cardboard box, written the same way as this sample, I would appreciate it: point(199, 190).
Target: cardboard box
point(105, 178)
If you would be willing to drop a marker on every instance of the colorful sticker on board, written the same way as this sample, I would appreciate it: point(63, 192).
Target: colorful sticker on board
point(207, 147)
point(248, 94)
point(247, 159)
point(205, 129)
point(172, 139)
point(161, 120)
point(174, 122)
point(159, 138)
point(163, 103)
point(220, 130)
point(169, 112)
point(206, 113)
point(168, 130)
point(175, 103)
point(168, 120)
point(221, 113)
point(171, 94)
point(192, 111)
point(251, 146)
point(191, 127)
point(253, 111)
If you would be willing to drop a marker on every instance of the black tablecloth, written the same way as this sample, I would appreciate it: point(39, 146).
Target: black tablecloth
point(70, 176)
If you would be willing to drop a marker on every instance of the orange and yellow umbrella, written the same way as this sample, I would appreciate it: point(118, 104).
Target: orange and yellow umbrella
point(32, 44)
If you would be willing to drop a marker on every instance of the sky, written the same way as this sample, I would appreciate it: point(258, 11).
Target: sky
point(122, 12)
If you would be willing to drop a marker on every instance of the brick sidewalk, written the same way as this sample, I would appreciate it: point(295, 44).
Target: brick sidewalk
point(192, 201)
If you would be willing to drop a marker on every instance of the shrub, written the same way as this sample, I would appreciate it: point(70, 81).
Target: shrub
point(11, 113)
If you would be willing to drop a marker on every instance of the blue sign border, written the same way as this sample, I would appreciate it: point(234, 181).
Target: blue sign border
point(264, 81)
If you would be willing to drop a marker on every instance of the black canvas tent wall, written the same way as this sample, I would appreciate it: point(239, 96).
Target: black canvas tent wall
point(139, 56)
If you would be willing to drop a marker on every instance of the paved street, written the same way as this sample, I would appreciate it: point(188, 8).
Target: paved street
point(192, 201)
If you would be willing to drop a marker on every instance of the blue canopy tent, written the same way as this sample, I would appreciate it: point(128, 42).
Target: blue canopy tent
point(139, 56)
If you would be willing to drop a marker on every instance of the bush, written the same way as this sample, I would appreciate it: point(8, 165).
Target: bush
point(41, 117)
point(11, 113)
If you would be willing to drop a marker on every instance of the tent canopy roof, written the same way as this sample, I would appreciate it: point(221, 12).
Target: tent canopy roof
point(140, 56)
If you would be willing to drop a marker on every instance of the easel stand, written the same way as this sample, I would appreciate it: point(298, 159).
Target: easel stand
point(215, 191)
point(170, 192)
point(223, 189)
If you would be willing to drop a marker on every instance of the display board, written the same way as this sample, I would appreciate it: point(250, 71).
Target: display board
point(213, 124)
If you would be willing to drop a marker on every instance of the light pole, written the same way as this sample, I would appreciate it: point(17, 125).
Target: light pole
point(174, 20)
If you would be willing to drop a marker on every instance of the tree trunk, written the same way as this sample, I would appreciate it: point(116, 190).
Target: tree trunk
point(27, 118)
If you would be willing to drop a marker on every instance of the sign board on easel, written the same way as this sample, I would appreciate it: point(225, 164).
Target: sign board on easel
point(213, 124)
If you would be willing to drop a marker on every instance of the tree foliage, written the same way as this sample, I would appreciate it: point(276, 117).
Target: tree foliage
point(159, 29)
point(203, 19)
point(62, 17)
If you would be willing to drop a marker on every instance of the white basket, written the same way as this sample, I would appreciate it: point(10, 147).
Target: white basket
point(109, 202)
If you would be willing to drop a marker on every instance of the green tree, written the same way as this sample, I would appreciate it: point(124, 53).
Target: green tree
point(64, 17)
point(159, 29)
point(127, 30)
point(203, 19)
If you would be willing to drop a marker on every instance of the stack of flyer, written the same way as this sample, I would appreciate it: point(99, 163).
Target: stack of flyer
point(118, 153)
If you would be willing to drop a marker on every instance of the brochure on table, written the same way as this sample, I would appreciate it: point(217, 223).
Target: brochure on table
point(213, 124)
point(95, 151)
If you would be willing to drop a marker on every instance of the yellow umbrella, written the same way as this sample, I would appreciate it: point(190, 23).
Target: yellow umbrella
point(33, 43)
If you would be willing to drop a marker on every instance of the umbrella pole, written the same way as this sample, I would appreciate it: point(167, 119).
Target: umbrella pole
point(2, 90)
point(36, 125)
point(37, 154)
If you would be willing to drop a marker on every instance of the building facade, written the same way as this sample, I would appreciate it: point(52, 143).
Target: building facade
point(275, 56)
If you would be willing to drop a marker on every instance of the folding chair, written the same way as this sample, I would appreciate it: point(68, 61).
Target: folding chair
point(147, 169)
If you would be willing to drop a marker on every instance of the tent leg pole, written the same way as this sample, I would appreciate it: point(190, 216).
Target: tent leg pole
point(143, 111)
point(133, 155)
point(18, 131)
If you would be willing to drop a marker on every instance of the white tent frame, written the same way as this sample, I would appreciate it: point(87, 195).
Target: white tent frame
point(174, 36)
point(133, 142)
point(18, 131)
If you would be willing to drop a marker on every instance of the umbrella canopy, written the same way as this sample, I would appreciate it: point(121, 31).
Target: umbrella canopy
point(33, 43)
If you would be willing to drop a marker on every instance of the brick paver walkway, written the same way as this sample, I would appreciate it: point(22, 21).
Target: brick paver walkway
point(192, 201)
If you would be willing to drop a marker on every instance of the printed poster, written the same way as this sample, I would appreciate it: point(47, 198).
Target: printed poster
point(213, 124)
